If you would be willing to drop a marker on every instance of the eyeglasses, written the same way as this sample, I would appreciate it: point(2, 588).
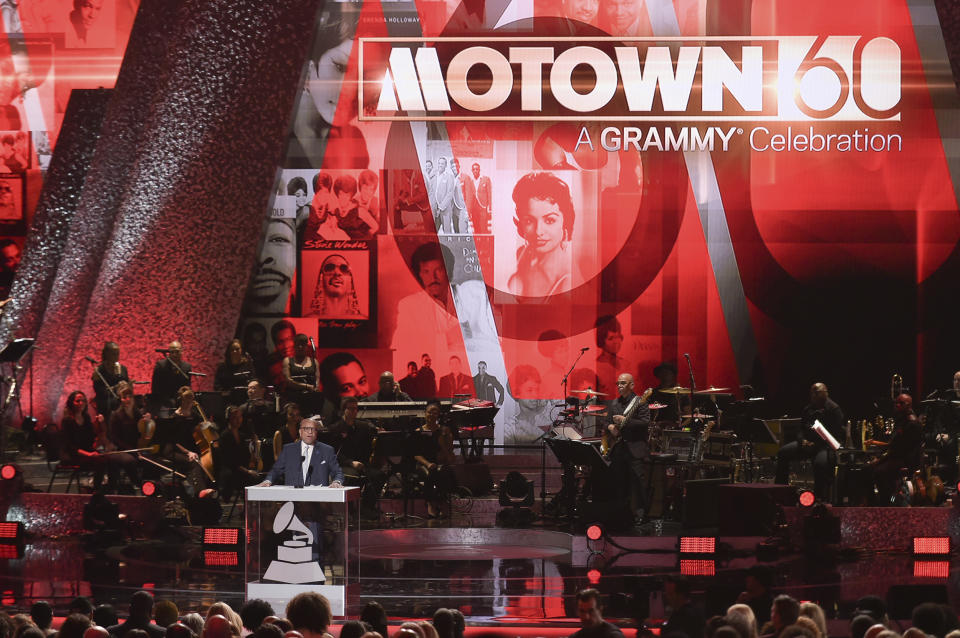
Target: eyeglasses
point(329, 268)
point(310, 429)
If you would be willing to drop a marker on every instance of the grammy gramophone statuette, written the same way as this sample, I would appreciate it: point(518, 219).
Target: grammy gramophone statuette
point(294, 563)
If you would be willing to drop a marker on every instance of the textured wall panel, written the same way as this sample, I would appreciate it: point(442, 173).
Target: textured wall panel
point(164, 236)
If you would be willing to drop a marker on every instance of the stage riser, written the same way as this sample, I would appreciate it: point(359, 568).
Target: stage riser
point(894, 528)
point(62, 514)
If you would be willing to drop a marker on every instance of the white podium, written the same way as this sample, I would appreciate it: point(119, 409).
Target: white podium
point(303, 539)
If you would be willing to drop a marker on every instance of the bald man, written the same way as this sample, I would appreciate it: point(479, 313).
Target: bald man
point(389, 390)
point(809, 445)
point(904, 449)
point(169, 375)
point(630, 420)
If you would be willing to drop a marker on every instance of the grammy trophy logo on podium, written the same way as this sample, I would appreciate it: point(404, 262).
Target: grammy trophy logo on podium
point(294, 563)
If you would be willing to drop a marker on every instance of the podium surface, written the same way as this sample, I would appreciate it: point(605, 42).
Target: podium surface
point(302, 539)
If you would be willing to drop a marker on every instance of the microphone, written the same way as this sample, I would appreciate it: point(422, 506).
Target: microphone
point(162, 350)
point(686, 355)
point(306, 481)
point(584, 349)
point(197, 374)
point(313, 345)
point(91, 360)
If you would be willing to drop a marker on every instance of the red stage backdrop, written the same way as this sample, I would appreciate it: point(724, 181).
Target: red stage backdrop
point(492, 188)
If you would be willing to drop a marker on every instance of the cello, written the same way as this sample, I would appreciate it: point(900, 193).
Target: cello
point(206, 437)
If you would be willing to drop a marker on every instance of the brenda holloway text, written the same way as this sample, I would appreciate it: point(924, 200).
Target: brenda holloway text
point(692, 138)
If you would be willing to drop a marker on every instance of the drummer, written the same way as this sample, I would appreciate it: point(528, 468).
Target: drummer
point(666, 393)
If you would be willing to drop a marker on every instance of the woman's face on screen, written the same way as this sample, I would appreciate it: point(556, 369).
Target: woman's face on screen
point(541, 225)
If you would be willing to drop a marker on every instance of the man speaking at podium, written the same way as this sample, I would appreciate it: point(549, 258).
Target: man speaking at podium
point(306, 462)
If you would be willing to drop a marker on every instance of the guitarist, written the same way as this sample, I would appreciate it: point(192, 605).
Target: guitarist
point(631, 420)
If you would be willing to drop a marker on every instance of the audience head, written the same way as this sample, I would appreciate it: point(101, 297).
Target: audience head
point(283, 624)
point(414, 627)
point(929, 618)
point(354, 629)
point(179, 630)
point(742, 618)
point(374, 615)
point(309, 613)
point(105, 615)
point(42, 614)
point(815, 613)
point(30, 631)
point(165, 613)
point(253, 613)
point(872, 606)
point(80, 605)
point(726, 631)
point(875, 630)
point(194, 621)
point(913, 632)
point(372, 634)
point(589, 608)
point(784, 611)
point(796, 630)
point(443, 622)
point(459, 623)
point(141, 605)
point(232, 617)
point(96, 631)
point(267, 630)
point(429, 631)
point(74, 626)
point(811, 625)
point(860, 624)
point(217, 626)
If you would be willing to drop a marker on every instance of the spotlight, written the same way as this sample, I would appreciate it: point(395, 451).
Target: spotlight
point(9, 471)
point(11, 532)
point(593, 576)
point(931, 545)
point(221, 559)
point(939, 569)
point(515, 493)
point(806, 498)
point(698, 567)
point(150, 488)
point(594, 532)
point(205, 509)
point(221, 536)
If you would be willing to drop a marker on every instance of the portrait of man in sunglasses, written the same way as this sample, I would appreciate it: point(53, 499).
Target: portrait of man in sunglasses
point(335, 293)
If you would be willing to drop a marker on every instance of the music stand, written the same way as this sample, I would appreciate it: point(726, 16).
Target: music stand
point(570, 454)
point(12, 353)
point(473, 422)
point(752, 432)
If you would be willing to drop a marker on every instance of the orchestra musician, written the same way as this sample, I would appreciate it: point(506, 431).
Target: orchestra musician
point(106, 376)
point(259, 416)
point(81, 438)
point(182, 445)
point(300, 375)
point(389, 391)
point(353, 439)
point(432, 454)
point(170, 374)
point(290, 430)
point(630, 424)
point(306, 462)
point(941, 429)
point(903, 450)
point(236, 459)
point(809, 445)
point(233, 373)
point(122, 432)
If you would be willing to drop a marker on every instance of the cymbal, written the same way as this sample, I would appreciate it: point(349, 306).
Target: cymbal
point(592, 393)
point(595, 410)
point(677, 389)
point(712, 390)
point(698, 416)
point(657, 406)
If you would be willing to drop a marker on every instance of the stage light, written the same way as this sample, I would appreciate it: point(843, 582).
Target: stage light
point(221, 559)
point(931, 544)
point(698, 567)
point(806, 498)
point(205, 509)
point(593, 576)
point(150, 488)
point(697, 545)
point(931, 569)
point(11, 532)
point(9, 471)
point(516, 491)
point(594, 532)
point(222, 536)
point(11, 551)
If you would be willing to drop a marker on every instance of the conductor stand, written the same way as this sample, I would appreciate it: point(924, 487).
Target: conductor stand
point(12, 354)
point(752, 431)
point(572, 454)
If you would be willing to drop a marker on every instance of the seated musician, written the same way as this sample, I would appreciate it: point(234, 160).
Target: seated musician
point(353, 439)
point(628, 456)
point(289, 431)
point(432, 454)
point(169, 375)
point(123, 432)
point(809, 444)
point(300, 375)
point(389, 391)
point(259, 415)
point(106, 376)
point(181, 438)
point(941, 430)
point(233, 374)
point(237, 465)
point(79, 439)
point(904, 450)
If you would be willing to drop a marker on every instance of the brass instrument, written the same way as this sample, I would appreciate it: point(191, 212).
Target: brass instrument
point(866, 433)
point(896, 386)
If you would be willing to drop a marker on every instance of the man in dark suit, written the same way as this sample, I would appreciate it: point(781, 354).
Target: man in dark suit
point(488, 387)
point(631, 420)
point(306, 462)
point(169, 375)
point(456, 382)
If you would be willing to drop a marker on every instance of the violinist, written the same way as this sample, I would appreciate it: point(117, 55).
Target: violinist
point(106, 376)
point(79, 438)
point(353, 439)
point(259, 415)
point(122, 432)
point(169, 375)
point(233, 374)
point(432, 453)
point(184, 430)
point(238, 462)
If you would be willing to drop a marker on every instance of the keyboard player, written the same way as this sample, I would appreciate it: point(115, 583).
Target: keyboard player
point(389, 391)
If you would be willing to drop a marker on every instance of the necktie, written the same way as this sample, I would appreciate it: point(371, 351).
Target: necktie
point(307, 451)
